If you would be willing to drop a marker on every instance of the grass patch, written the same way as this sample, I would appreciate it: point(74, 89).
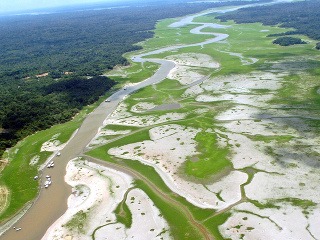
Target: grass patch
point(137, 72)
point(180, 227)
point(268, 139)
point(18, 175)
point(123, 214)
point(78, 222)
point(213, 224)
point(212, 158)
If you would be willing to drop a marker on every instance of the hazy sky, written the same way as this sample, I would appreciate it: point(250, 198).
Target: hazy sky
point(17, 5)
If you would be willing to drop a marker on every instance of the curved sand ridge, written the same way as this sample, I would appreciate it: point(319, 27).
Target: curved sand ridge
point(97, 191)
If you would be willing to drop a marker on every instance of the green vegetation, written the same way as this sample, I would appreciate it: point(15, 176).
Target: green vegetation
point(212, 159)
point(123, 214)
point(180, 226)
point(268, 139)
point(303, 203)
point(32, 106)
point(214, 222)
point(78, 222)
point(287, 15)
point(287, 41)
point(137, 72)
point(38, 51)
point(23, 188)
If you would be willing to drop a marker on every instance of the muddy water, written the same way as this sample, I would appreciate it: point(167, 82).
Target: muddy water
point(52, 202)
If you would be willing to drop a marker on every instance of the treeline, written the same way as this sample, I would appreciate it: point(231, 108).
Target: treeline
point(303, 16)
point(84, 43)
point(287, 41)
point(36, 106)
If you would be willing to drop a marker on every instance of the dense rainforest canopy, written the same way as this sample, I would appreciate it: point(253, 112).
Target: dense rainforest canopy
point(287, 41)
point(304, 16)
point(52, 46)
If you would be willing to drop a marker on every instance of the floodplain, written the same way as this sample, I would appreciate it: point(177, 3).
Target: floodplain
point(228, 143)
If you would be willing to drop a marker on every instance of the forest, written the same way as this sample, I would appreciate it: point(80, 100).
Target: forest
point(287, 41)
point(303, 16)
point(45, 60)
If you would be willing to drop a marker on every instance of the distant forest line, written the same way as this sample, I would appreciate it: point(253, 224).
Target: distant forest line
point(303, 16)
point(85, 43)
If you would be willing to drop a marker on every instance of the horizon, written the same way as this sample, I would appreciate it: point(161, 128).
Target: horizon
point(15, 6)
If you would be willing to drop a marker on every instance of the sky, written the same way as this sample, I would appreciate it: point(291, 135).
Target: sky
point(22, 5)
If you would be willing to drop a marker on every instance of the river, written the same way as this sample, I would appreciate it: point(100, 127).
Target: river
point(52, 202)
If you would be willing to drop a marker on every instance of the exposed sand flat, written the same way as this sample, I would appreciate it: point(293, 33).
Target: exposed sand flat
point(300, 182)
point(120, 112)
point(143, 121)
point(193, 91)
point(185, 71)
point(97, 191)
point(168, 106)
point(194, 60)
point(263, 127)
point(34, 160)
point(108, 132)
point(52, 145)
point(246, 154)
point(185, 75)
point(142, 107)
point(147, 222)
point(239, 112)
point(245, 99)
point(244, 83)
point(101, 137)
point(168, 149)
point(287, 222)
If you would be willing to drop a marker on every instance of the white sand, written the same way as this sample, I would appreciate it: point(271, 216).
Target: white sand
point(244, 83)
point(168, 149)
point(185, 75)
point(245, 99)
point(287, 222)
point(52, 145)
point(147, 222)
point(295, 182)
point(187, 65)
point(194, 60)
point(34, 160)
point(143, 121)
point(101, 139)
point(97, 191)
point(142, 107)
point(193, 91)
point(96, 188)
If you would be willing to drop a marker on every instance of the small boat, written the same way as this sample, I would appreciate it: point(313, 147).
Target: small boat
point(50, 164)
